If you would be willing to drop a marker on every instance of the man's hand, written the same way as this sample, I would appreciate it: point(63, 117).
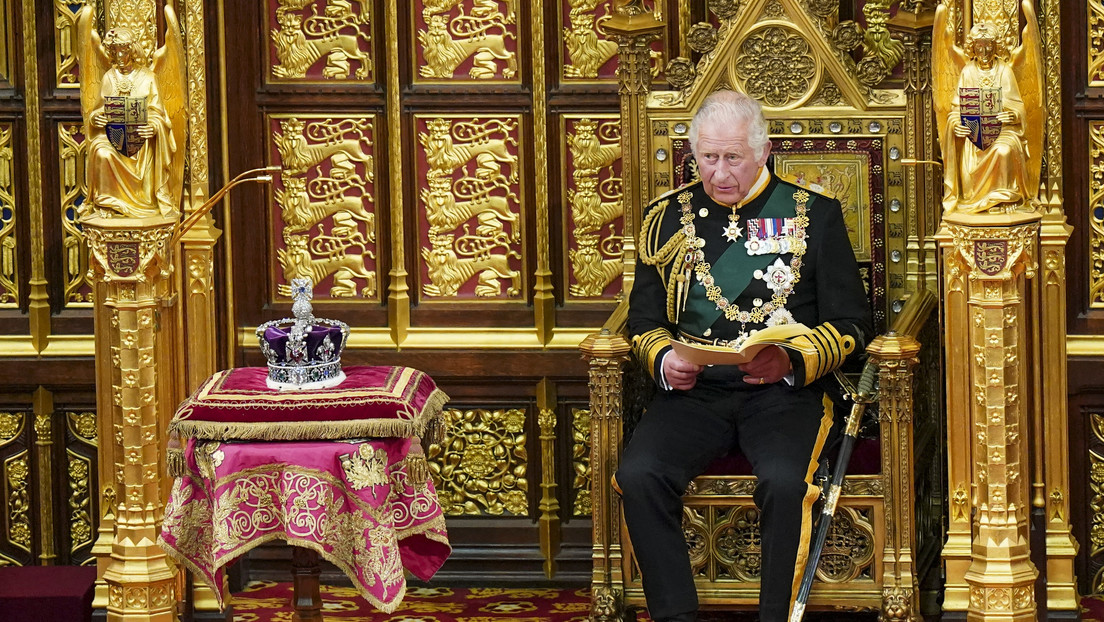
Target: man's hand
point(680, 374)
point(769, 366)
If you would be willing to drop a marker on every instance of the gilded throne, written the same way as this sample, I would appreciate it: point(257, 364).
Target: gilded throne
point(842, 126)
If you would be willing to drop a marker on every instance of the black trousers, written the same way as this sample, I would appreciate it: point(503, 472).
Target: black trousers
point(780, 429)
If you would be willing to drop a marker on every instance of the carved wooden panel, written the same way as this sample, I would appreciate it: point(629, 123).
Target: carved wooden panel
point(65, 42)
point(586, 53)
point(9, 276)
point(324, 221)
point(481, 467)
point(466, 40)
point(74, 189)
point(79, 472)
point(320, 41)
point(470, 217)
point(1096, 214)
point(593, 191)
point(16, 518)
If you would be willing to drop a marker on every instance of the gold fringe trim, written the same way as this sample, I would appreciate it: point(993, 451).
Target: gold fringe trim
point(314, 430)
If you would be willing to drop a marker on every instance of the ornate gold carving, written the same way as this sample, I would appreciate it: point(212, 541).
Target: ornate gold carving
point(580, 461)
point(72, 148)
point(737, 542)
point(1052, 44)
point(138, 17)
point(1096, 214)
point(81, 532)
point(776, 66)
point(485, 34)
point(588, 49)
point(596, 201)
point(313, 196)
point(17, 473)
point(486, 193)
point(194, 31)
point(481, 466)
point(11, 426)
point(366, 468)
point(9, 278)
point(897, 603)
point(337, 33)
point(880, 51)
point(65, 36)
point(702, 37)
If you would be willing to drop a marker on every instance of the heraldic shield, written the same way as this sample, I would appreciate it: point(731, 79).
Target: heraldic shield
point(124, 116)
point(979, 108)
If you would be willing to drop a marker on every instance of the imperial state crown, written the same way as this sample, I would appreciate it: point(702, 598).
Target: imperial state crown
point(303, 352)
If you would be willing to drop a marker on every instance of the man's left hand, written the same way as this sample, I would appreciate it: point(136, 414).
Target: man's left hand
point(769, 366)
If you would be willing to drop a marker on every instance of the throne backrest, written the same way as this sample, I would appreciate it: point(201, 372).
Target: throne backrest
point(829, 129)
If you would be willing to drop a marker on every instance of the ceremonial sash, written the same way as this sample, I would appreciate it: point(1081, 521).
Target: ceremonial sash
point(734, 269)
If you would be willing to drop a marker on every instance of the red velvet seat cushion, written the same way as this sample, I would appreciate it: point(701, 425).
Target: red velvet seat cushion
point(866, 459)
point(373, 401)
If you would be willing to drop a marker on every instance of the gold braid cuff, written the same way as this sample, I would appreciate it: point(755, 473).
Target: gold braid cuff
point(648, 346)
point(823, 349)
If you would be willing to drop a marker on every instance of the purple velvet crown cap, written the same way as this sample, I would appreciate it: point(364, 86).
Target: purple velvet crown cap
point(277, 338)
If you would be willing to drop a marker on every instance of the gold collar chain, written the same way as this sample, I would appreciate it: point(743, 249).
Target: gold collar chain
point(696, 255)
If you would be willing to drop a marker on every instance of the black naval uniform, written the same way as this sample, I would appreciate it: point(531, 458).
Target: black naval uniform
point(780, 428)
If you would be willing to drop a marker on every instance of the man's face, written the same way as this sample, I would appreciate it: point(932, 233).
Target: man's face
point(727, 164)
point(122, 58)
point(983, 51)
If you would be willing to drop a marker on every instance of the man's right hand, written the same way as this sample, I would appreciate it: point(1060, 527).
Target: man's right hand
point(679, 373)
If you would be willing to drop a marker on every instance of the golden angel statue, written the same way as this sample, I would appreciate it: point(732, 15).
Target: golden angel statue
point(135, 120)
point(989, 112)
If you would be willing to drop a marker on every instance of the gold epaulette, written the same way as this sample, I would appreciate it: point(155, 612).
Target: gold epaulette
point(649, 245)
point(648, 346)
point(823, 349)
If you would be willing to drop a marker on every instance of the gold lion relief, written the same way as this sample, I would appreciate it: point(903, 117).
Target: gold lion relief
point(449, 267)
point(447, 44)
point(339, 35)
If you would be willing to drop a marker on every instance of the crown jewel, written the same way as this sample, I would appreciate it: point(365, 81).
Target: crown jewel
point(303, 352)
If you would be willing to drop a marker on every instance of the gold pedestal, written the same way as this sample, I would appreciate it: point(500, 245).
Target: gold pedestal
point(988, 260)
point(131, 259)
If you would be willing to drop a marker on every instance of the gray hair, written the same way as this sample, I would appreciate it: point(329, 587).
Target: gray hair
point(731, 107)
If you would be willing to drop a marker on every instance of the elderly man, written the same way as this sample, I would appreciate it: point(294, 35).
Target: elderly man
point(721, 258)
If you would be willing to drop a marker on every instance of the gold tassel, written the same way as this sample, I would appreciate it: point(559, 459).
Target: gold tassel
point(174, 461)
point(417, 467)
point(174, 455)
point(435, 431)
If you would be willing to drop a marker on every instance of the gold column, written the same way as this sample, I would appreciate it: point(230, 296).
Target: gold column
point(956, 550)
point(605, 352)
point(544, 303)
point(1061, 548)
point(398, 289)
point(39, 311)
point(997, 255)
point(131, 259)
point(897, 357)
point(44, 443)
point(634, 29)
point(549, 506)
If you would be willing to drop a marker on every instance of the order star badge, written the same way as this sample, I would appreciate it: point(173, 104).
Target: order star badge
point(733, 231)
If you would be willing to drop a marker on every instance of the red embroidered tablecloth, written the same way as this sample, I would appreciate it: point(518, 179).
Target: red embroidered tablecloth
point(352, 501)
point(259, 464)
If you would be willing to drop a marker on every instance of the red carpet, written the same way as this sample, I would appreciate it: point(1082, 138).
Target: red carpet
point(271, 602)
